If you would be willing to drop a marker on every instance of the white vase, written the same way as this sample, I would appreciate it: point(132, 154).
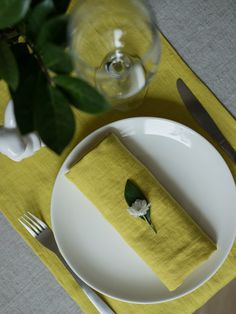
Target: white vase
point(14, 145)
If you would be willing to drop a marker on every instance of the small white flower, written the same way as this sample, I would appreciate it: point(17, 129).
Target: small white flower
point(139, 208)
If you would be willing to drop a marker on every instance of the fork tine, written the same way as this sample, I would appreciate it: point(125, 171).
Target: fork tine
point(34, 234)
point(28, 223)
point(42, 224)
point(33, 222)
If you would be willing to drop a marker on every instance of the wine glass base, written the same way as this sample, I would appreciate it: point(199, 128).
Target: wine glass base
point(131, 102)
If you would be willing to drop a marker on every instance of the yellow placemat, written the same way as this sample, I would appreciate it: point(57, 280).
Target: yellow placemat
point(28, 184)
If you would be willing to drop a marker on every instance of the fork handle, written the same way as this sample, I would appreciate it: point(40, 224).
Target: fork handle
point(97, 301)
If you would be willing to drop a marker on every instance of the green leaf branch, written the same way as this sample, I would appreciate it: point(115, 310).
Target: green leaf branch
point(36, 65)
point(136, 200)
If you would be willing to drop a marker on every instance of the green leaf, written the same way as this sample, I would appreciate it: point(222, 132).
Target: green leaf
point(82, 95)
point(132, 193)
point(40, 107)
point(24, 59)
point(23, 105)
point(56, 58)
point(12, 11)
point(23, 95)
point(38, 16)
point(53, 117)
point(54, 31)
point(61, 5)
point(8, 66)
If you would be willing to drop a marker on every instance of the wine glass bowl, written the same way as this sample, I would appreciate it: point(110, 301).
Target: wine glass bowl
point(115, 46)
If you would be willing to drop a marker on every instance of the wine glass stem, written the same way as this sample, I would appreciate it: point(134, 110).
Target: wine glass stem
point(118, 64)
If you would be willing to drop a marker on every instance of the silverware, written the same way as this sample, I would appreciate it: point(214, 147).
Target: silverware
point(204, 119)
point(41, 232)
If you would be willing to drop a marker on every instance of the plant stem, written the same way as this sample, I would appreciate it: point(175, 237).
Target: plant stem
point(39, 60)
point(150, 224)
point(11, 35)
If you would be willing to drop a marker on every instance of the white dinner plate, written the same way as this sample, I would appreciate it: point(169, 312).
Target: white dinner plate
point(194, 173)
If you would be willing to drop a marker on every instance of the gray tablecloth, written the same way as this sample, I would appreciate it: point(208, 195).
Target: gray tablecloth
point(204, 33)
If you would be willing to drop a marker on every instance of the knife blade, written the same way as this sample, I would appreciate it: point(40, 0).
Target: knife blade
point(203, 118)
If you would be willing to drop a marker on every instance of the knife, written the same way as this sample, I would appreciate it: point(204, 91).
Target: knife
point(203, 118)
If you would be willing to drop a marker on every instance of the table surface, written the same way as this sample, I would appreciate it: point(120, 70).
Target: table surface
point(204, 34)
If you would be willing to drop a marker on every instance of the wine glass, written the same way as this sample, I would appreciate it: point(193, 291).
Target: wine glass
point(115, 46)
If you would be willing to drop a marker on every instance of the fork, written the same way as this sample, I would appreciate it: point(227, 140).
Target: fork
point(41, 232)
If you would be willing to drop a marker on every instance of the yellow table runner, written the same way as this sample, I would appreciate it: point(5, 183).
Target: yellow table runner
point(28, 184)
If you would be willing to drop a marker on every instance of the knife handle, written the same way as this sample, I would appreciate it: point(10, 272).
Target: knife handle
point(229, 150)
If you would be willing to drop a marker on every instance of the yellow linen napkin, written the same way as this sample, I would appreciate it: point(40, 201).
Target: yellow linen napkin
point(102, 174)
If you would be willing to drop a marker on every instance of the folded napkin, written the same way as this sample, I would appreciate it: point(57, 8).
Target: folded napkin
point(178, 247)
